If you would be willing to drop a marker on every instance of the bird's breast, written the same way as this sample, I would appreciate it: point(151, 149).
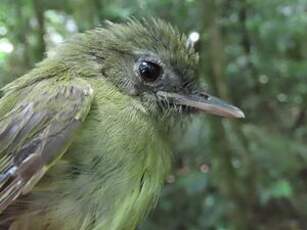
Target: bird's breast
point(122, 162)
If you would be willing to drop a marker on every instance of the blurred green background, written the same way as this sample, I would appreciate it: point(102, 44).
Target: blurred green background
point(246, 174)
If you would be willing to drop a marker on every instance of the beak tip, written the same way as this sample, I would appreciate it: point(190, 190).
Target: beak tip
point(240, 114)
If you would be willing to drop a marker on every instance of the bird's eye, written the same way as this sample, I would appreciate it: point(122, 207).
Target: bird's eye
point(149, 71)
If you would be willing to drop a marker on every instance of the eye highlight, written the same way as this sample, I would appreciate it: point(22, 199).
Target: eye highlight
point(149, 71)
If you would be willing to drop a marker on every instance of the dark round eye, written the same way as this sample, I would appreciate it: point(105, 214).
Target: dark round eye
point(149, 71)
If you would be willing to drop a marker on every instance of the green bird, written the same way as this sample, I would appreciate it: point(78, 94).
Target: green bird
point(84, 135)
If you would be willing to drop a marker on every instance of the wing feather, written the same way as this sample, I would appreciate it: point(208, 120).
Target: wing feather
point(37, 130)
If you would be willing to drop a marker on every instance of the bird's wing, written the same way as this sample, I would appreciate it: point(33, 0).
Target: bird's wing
point(37, 129)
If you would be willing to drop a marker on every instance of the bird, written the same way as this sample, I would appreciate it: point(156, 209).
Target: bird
point(84, 136)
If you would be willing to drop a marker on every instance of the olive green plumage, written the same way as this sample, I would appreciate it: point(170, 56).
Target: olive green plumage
point(83, 136)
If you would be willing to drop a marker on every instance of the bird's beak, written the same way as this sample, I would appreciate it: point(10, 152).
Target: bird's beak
point(204, 102)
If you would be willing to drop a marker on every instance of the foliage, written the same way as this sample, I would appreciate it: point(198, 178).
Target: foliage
point(249, 174)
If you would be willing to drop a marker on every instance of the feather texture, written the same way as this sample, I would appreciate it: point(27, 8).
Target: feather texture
point(37, 131)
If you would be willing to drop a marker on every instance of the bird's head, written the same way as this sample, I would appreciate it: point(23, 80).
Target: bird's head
point(153, 62)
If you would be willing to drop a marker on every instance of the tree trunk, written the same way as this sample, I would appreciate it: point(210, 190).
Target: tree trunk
point(22, 28)
point(39, 14)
